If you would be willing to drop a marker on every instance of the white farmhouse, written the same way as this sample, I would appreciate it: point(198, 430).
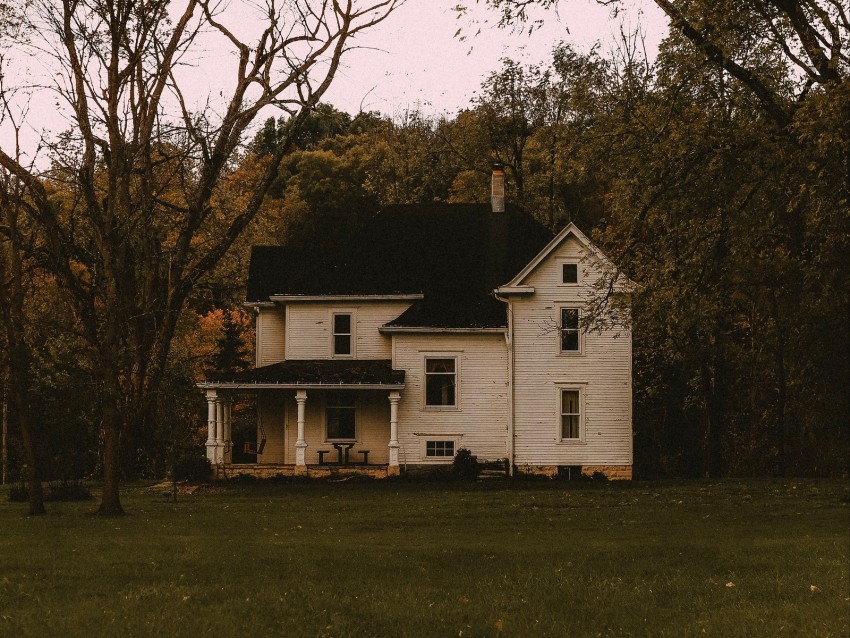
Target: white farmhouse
point(441, 327)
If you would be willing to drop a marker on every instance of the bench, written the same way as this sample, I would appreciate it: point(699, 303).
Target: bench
point(365, 454)
point(321, 454)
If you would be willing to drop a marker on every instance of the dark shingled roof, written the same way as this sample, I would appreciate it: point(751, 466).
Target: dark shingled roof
point(454, 254)
point(323, 372)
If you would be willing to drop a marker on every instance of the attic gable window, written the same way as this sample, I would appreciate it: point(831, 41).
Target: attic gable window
point(342, 334)
point(569, 273)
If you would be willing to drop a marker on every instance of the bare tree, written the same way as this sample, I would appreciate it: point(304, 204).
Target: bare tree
point(142, 196)
point(15, 283)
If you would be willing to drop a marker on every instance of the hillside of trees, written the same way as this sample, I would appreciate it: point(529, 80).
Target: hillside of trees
point(716, 176)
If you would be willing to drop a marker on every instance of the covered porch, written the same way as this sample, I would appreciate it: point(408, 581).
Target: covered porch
point(314, 418)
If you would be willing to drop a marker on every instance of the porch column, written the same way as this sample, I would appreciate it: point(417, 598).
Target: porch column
point(228, 439)
point(301, 444)
point(393, 470)
point(211, 397)
point(219, 430)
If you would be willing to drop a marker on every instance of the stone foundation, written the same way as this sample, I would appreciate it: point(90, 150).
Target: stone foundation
point(271, 470)
point(613, 472)
point(550, 471)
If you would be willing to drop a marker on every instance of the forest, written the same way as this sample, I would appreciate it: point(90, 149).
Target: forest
point(715, 175)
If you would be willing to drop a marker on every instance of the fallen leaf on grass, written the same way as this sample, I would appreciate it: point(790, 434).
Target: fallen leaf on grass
point(814, 588)
point(730, 584)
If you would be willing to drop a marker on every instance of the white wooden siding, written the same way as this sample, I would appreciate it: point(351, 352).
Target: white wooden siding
point(271, 336)
point(602, 371)
point(480, 422)
point(308, 334)
point(270, 408)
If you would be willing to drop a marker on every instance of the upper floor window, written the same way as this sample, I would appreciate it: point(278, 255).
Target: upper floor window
point(441, 382)
point(569, 273)
point(569, 330)
point(342, 334)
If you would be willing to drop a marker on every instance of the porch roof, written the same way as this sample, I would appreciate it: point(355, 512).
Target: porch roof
point(317, 373)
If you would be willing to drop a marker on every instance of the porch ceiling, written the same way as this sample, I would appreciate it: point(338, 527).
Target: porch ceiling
point(352, 373)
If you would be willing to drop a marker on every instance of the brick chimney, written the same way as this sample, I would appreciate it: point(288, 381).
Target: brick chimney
point(497, 189)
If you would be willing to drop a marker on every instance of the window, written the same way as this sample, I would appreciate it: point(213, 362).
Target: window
point(440, 449)
point(340, 412)
point(570, 414)
point(440, 383)
point(569, 330)
point(342, 334)
point(569, 274)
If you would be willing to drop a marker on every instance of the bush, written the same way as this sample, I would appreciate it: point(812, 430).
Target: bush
point(19, 494)
point(68, 491)
point(64, 491)
point(465, 465)
point(194, 468)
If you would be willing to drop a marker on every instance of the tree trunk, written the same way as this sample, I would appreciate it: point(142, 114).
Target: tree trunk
point(713, 388)
point(110, 502)
point(778, 429)
point(19, 395)
point(36, 494)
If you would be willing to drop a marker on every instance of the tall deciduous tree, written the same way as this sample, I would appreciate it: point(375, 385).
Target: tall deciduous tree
point(142, 215)
point(728, 199)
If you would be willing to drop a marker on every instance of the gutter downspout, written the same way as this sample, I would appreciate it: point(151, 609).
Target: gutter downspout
point(509, 341)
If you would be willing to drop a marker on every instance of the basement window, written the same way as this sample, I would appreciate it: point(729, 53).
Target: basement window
point(439, 449)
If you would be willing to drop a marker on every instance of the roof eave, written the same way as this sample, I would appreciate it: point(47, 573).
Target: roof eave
point(514, 290)
point(225, 385)
point(389, 297)
point(397, 329)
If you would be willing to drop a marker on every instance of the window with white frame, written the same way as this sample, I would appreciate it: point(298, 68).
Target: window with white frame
point(341, 416)
point(440, 382)
point(569, 273)
point(568, 330)
point(342, 334)
point(570, 414)
point(440, 449)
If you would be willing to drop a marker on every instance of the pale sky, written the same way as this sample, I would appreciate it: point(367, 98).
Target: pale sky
point(413, 60)
point(418, 61)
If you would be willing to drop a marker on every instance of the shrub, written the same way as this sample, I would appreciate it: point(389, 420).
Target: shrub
point(465, 465)
point(69, 491)
point(19, 494)
point(194, 468)
point(64, 491)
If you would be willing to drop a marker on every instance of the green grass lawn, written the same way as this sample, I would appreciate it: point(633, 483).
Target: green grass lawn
point(737, 558)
